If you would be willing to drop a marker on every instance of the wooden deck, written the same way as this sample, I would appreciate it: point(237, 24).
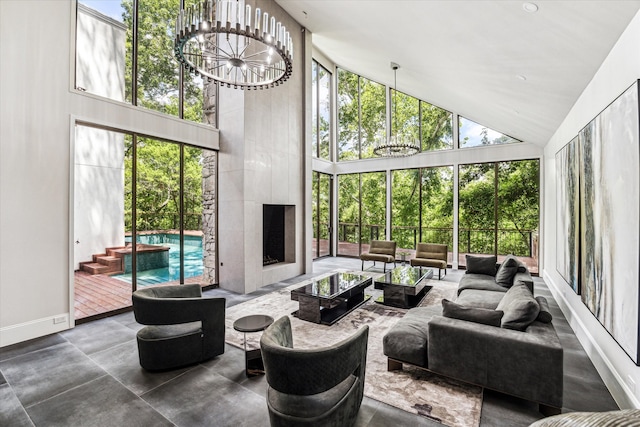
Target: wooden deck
point(99, 294)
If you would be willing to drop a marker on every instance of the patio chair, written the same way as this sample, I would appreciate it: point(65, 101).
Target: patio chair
point(431, 255)
point(380, 250)
point(184, 328)
point(316, 386)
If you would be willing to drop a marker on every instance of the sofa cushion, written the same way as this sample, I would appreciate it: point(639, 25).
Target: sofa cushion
point(545, 314)
point(520, 308)
point(407, 339)
point(479, 298)
point(480, 282)
point(481, 264)
point(506, 271)
point(471, 314)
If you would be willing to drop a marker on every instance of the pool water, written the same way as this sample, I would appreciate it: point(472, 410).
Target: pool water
point(192, 260)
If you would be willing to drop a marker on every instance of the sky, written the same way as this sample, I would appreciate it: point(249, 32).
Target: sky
point(111, 8)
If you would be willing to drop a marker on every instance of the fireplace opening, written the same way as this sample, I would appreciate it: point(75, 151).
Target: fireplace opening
point(277, 234)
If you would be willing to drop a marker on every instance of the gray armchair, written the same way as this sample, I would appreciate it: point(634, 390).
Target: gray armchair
point(380, 250)
point(184, 328)
point(315, 387)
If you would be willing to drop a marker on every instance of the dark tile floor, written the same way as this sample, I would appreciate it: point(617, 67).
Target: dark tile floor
point(90, 376)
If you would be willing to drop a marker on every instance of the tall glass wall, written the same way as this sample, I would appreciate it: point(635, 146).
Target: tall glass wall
point(115, 61)
point(422, 207)
point(472, 134)
point(498, 210)
point(361, 211)
point(320, 111)
point(430, 125)
point(129, 188)
point(321, 215)
point(361, 115)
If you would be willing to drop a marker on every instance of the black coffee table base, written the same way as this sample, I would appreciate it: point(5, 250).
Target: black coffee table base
point(395, 297)
point(404, 287)
point(311, 311)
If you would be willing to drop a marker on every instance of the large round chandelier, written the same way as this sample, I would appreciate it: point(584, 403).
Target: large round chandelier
point(398, 145)
point(224, 41)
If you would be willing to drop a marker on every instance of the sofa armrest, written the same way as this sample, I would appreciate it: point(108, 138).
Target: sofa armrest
point(526, 364)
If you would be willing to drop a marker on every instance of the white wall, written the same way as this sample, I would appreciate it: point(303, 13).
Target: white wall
point(261, 161)
point(98, 192)
point(38, 112)
point(619, 70)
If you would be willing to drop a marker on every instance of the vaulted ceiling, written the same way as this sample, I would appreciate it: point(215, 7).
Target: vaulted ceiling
point(511, 70)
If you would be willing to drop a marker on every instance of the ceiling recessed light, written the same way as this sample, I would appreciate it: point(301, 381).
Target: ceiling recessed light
point(530, 7)
point(521, 77)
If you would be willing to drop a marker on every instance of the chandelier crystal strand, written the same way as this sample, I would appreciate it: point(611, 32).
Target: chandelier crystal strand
point(397, 145)
point(224, 41)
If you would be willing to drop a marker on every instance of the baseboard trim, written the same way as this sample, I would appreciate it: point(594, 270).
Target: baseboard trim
point(34, 329)
point(618, 388)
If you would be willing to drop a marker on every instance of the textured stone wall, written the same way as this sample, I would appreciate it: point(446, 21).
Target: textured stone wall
point(209, 175)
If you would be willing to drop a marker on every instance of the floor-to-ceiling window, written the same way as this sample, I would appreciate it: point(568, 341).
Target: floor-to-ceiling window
point(124, 51)
point(131, 188)
point(166, 191)
point(361, 116)
point(361, 211)
point(422, 207)
point(498, 210)
point(321, 215)
point(320, 112)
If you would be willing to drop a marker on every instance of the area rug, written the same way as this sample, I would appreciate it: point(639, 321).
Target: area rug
point(414, 390)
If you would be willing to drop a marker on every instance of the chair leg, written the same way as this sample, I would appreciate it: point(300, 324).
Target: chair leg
point(362, 268)
point(393, 365)
point(384, 269)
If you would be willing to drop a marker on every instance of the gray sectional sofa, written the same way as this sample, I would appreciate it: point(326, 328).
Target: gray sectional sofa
point(495, 335)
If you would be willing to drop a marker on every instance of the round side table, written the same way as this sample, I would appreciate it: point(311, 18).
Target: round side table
point(252, 358)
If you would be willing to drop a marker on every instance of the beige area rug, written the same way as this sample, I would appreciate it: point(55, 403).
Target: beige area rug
point(413, 390)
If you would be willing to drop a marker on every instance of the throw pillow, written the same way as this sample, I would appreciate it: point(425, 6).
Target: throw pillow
point(545, 315)
point(508, 269)
point(471, 314)
point(481, 264)
point(519, 306)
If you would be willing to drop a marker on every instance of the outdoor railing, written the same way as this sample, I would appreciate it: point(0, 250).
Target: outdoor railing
point(476, 240)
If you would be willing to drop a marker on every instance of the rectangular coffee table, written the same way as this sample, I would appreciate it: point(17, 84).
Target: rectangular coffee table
point(404, 286)
point(328, 299)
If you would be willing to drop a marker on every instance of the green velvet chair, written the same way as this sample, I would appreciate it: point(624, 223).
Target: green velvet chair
point(313, 387)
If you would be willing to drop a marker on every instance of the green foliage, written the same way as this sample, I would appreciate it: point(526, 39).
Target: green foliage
point(158, 186)
point(157, 69)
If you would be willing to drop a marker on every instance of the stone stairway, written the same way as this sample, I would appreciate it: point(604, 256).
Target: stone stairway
point(106, 263)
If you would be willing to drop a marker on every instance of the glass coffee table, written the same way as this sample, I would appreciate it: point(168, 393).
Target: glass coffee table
point(329, 299)
point(252, 358)
point(404, 287)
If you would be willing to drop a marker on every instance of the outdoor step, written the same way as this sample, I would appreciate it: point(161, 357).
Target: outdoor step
point(94, 268)
point(114, 263)
point(94, 257)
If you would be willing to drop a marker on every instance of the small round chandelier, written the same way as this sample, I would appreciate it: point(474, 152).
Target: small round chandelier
point(223, 41)
point(396, 145)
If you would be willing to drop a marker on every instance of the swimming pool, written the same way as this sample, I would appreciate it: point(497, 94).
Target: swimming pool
point(192, 259)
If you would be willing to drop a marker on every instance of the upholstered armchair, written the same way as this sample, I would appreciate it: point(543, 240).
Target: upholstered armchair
point(431, 255)
point(314, 387)
point(184, 328)
point(380, 250)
